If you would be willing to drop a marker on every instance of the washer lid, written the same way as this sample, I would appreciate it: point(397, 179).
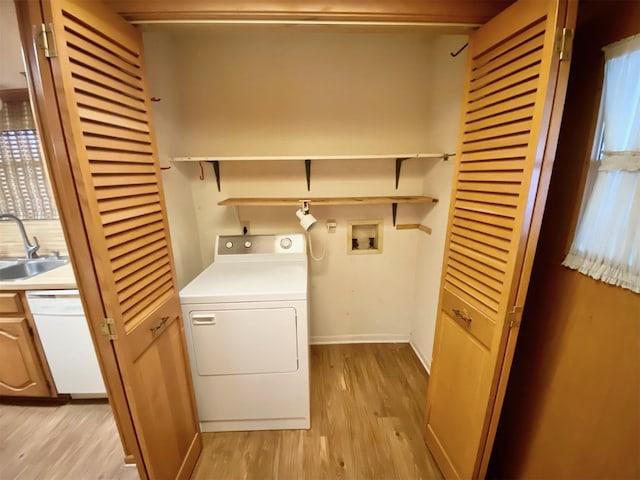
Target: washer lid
point(241, 282)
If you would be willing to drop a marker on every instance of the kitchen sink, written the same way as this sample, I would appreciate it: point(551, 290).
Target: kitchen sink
point(25, 268)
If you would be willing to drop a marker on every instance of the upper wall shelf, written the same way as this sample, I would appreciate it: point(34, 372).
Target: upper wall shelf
point(399, 157)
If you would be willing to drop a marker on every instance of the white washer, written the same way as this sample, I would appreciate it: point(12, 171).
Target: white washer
point(247, 333)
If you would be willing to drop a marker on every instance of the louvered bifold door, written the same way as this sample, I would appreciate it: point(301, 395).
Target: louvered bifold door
point(104, 104)
point(512, 92)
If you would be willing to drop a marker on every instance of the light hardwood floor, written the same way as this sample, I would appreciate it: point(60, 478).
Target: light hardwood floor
point(367, 403)
point(70, 442)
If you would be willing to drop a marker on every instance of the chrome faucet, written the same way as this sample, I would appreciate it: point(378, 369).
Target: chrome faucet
point(30, 249)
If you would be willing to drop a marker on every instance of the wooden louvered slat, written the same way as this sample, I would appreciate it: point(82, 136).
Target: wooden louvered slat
point(488, 208)
point(71, 24)
point(483, 268)
point(126, 275)
point(495, 187)
point(127, 213)
point(132, 223)
point(138, 232)
point(478, 275)
point(112, 156)
point(141, 310)
point(501, 108)
point(143, 290)
point(502, 74)
point(99, 52)
point(135, 244)
point(485, 197)
point(119, 180)
point(507, 63)
point(94, 75)
point(481, 292)
point(490, 229)
point(98, 168)
point(128, 202)
point(496, 142)
point(492, 160)
point(131, 256)
point(96, 103)
point(102, 130)
point(106, 69)
point(462, 291)
point(478, 256)
point(527, 68)
point(93, 94)
point(515, 115)
point(496, 132)
point(503, 222)
point(481, 247)
point(115, 192)
point(106, 143)
point(480, 236)
point(144, 278)
point(500, 96)
point(110, 118)
point(493, 55)
point(509, 177)
point(133, 278)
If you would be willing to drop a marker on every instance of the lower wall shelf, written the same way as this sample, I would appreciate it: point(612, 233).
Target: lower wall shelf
point(393, 200)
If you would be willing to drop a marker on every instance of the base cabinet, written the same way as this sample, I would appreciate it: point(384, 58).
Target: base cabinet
point(23, 370)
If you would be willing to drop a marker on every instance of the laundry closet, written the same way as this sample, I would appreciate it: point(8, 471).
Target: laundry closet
point(346, 91)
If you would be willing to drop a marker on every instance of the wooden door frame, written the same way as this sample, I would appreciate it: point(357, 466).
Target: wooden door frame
point(58, 161)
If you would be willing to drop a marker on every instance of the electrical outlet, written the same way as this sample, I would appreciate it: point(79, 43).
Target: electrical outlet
point(331, 226)
point(244, 226)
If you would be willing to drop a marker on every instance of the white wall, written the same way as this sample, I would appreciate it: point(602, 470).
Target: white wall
point(447, 84)
point(160, 54)
point(296, 90)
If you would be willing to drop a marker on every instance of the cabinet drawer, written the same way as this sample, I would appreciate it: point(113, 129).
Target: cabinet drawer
point(10, 303)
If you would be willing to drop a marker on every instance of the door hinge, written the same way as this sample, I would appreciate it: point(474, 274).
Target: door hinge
point(48, 45)
point(515, 317)
point(564, 43)
point(30, 330)
point(107, 329)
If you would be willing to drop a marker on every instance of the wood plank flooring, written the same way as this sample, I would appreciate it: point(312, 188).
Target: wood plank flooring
point(76, 441)
point(367, 403)
point(367, 415)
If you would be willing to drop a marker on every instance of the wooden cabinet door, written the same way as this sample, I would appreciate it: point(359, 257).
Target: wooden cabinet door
point(114, 218)
point(21, 373)
point(514, 94)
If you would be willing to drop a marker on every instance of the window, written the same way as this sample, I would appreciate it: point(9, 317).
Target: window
point(23, 182)
point(607, 241)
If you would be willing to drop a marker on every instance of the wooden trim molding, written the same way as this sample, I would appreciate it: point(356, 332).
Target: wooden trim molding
point(14, 94)
point(474, 12)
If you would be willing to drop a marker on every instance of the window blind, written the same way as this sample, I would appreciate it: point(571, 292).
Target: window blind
point(23, 182)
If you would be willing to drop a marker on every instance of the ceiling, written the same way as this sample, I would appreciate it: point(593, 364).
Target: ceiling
point(11, 66)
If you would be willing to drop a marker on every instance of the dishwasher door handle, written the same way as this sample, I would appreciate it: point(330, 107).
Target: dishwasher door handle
point(209, 319)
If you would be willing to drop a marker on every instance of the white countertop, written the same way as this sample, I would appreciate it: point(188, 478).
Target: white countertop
point(58, 278)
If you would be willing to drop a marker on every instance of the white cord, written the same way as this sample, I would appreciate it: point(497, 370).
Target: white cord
point(310, 243)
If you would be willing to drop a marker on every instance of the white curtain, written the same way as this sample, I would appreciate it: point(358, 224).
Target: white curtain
point(607, 241)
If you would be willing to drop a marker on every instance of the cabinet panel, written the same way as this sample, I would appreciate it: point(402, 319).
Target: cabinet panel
point(21, 373)
point(10, 303)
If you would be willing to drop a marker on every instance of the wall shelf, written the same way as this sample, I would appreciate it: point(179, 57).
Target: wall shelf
point(399, 158)
point(392, 200)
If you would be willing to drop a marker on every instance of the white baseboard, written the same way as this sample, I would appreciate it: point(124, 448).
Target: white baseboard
point(423, 360)
point(367, 338)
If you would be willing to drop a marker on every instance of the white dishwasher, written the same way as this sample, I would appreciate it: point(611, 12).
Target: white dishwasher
point(67, 343)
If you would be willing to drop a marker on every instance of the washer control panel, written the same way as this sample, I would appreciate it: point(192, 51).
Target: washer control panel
point(260, 244)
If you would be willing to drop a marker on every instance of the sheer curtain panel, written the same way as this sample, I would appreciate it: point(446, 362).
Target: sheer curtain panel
point(607, 242)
